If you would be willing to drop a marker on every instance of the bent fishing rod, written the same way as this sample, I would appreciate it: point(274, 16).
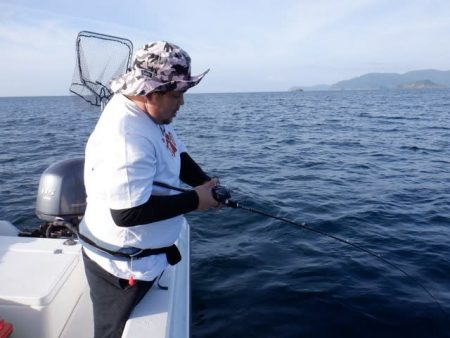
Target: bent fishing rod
point(222, 195)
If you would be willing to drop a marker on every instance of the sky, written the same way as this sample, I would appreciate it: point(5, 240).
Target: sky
point(249, 45)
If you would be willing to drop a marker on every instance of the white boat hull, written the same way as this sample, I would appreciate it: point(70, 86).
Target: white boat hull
point(44, 292)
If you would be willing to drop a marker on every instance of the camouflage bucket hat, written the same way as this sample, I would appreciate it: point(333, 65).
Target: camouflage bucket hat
point(158, 67)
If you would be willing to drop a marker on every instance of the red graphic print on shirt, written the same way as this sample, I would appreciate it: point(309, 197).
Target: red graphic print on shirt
point(170, 143)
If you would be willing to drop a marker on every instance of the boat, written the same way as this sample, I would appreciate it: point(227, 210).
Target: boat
point(43, 291)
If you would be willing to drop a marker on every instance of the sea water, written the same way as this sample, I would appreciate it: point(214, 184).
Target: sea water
point(371, 167)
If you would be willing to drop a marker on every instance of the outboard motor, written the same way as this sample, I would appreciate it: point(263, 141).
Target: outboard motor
point(61, 198)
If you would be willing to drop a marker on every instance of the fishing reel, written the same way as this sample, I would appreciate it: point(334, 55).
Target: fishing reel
point(222, 195)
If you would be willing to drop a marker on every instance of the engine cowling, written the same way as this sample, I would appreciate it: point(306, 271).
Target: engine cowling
point(61, 193)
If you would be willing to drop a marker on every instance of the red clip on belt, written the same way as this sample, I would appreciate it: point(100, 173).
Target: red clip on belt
point(5, 329)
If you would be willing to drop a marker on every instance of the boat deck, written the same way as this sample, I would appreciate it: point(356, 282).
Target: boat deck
point(44, 292)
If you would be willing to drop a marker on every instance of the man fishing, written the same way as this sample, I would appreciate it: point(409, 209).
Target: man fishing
point(131, 223)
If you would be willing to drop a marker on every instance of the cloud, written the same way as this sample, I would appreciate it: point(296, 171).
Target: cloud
point(39, 49)
point(249, 46)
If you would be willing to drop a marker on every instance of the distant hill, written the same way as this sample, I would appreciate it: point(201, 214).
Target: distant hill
point(423, 84)
point(423, 78)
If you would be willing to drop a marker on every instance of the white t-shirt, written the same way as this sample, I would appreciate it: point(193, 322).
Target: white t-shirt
point(126, 152)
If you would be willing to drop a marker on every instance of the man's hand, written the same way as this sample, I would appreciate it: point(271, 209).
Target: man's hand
point(205, 198)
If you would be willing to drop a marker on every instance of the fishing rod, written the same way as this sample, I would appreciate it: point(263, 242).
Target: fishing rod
point(222, 195)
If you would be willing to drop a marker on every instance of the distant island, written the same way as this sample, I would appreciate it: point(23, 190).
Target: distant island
point(296, 89)
point(417, 79)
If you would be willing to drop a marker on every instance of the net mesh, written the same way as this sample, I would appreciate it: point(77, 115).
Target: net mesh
point(99, 58)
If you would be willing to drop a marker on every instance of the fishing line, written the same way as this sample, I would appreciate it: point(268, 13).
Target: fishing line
point(222, 195)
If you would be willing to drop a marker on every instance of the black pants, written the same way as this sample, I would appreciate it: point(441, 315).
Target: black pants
point(112, 298)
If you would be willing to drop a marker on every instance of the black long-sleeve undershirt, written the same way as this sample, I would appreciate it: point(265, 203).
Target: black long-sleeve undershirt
point(159, 208)
point(190, 172)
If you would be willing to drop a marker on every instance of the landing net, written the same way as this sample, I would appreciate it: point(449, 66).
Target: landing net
point(99, 59)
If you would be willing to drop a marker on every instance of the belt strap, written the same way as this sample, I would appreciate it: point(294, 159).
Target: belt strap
point(172, 253)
